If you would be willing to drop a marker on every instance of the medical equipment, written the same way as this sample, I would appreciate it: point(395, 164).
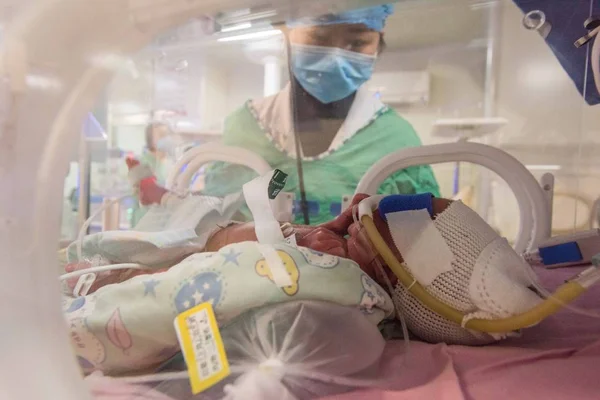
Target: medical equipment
point(179, 178)
point(525, 188)
point(564, 37)
point(533, 205)
point(567, 250)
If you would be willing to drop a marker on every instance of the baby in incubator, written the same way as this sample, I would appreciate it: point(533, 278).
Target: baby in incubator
point(341, 237)
point(125, 322)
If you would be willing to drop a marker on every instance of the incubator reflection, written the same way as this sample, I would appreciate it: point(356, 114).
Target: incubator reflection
point(157, 157)
point(324, 129)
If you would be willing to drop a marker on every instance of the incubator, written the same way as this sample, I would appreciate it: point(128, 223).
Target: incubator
point(298, 200)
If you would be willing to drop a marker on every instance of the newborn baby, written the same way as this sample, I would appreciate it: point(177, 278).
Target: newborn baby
point(340, 237)
point(480, 267)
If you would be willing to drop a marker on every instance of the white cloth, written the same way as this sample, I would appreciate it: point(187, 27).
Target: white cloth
point(178, 227)
point(275, 116)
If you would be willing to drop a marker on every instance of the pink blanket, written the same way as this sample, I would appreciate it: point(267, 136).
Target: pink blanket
point(558, 359)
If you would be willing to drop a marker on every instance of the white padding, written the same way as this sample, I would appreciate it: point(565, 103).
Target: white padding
point(499, 282)
point(423, 248)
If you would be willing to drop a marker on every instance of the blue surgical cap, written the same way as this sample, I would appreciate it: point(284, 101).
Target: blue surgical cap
point(373, 17)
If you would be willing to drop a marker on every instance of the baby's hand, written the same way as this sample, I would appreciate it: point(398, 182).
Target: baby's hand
point(359, 247)
point(322, 240)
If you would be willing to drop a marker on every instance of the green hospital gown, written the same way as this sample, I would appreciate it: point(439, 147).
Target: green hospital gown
point(329, 177)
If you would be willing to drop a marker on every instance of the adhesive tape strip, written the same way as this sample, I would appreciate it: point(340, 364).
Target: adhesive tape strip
point(267, 227)
point(422, 246)
point(279, 273)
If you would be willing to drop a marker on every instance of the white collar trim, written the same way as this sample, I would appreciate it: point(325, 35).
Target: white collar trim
point(275, 118)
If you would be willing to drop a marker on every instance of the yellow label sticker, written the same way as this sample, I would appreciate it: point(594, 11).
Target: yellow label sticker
point(202, 347)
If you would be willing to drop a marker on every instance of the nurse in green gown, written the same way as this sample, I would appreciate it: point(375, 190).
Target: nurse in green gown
point(159, 144)
point(342, 128)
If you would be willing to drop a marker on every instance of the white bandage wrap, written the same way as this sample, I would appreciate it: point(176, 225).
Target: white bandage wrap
point(483, 280)
point(267, 228)
point(499, 282)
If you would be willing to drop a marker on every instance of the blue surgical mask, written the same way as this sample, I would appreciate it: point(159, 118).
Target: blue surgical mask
point(329, 73)
point(166, 144)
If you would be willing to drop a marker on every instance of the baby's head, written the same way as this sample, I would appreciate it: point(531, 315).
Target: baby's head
point(453, 254)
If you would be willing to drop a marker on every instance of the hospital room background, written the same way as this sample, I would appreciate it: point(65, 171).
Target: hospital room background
point(458, 71)
point(455, 70)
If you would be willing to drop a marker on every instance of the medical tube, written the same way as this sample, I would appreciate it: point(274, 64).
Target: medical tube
point(398, 312)
point(102, 268)
point(565, 293)
point(390, 288)
point(88, 222)
point(596, 58)
point(549, 295)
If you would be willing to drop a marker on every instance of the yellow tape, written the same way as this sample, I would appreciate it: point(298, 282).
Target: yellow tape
point(202, 347)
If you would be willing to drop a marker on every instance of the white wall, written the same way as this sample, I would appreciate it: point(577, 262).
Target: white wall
point(245, 82)
point(457, 76)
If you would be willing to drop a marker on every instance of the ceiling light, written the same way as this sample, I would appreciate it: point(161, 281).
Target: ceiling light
point(252, 35)
point(236, 27)
point(541, 167)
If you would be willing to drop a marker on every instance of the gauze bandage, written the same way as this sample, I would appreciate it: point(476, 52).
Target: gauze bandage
point(475, 271)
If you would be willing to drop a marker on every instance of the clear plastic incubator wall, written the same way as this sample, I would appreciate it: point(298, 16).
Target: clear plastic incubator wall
point(251, 199)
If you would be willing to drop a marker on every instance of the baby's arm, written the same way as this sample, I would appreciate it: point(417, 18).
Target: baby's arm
point(360, 249)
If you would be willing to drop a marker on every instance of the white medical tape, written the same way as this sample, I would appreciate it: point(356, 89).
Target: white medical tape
point(267, 228)
point(279, 273)
point(421, 245)
point(84, 284)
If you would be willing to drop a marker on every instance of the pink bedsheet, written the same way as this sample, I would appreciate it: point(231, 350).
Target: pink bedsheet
point(558, 359)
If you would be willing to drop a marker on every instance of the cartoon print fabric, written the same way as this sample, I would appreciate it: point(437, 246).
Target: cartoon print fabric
point(129, 326)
